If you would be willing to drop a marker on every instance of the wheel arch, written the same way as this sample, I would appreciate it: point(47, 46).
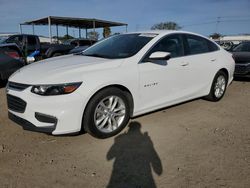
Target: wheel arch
point(118, 86)
point(225, 71)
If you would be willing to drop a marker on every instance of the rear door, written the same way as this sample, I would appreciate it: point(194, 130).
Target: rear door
point(32, 44)
point(201, 56)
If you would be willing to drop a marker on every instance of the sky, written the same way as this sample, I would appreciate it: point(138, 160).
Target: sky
point(228, 17)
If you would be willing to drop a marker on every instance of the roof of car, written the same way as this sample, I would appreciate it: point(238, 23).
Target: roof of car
point(164, 32)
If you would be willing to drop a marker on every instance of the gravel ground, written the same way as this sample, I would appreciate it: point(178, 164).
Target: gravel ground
point(196, 144)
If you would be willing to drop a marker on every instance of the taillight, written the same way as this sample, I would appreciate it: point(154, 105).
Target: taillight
point(13, 54)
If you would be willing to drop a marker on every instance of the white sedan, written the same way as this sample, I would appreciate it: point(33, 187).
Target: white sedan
point(118, 78)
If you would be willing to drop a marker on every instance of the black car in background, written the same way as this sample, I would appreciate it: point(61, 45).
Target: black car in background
point(241, 54)
point(11, 59)
point(29, 44)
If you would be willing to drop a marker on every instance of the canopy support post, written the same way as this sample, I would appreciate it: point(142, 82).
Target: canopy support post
point(67, 32)
point(20, 28)
point(80, 33)
point(50, 32)
point(33, 29)
point(57, 33)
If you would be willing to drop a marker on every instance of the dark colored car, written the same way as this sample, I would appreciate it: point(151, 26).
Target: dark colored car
point(73, 46)
point(31, 43)
point(11, 59)
point(241, 54)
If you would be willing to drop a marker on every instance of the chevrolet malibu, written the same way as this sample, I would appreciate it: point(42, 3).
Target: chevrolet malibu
point(118, 78)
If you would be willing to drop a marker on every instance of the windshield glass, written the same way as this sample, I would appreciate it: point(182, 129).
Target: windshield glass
point(243, 47)
point(2, 39)
point(119, 46)
point(67, 42)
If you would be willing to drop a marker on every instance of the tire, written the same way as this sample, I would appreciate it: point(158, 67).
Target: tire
point(220, 81)
point(107, 113)
point(56, 54)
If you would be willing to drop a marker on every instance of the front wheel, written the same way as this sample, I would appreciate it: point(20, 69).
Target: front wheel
point(107, 113)
point(218, 87)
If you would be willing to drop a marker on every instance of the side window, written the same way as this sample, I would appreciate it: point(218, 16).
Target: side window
point(172, 44)
point(32, 41)
point(212, 47)
point(197, 45)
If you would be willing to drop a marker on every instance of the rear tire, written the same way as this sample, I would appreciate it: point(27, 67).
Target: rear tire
point(218, 87)
point(107, 113)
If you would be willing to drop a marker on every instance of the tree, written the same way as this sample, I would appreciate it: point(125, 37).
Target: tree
point(93, 35)
point(215, 35)
point(166, 26)
point(106, 32)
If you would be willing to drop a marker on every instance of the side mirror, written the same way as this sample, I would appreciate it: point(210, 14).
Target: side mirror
point(160, 56)
point(30, 59)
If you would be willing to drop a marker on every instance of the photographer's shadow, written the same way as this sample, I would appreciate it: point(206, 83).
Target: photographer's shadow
point(134, 156)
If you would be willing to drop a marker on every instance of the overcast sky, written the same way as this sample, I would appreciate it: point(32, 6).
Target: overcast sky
point(194, 15)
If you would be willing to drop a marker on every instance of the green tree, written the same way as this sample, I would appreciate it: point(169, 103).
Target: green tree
point(106, 32)
point(166, 26)
point(93, 35)
point(215, 35)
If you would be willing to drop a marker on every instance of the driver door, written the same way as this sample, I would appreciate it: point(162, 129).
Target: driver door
point(162, 82)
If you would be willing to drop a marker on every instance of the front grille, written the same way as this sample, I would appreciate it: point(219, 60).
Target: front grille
point(16, 104)
point(17, 86)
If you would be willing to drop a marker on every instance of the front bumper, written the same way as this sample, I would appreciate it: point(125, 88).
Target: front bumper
point(242, 70)
point(26, 125)
point(57, 115)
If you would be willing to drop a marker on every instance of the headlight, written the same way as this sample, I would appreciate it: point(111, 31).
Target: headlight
point(57, 89)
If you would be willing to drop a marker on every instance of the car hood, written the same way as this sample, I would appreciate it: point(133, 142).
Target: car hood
point(241, 57)
point(69, 68)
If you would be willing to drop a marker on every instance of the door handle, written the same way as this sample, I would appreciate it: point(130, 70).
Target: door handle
point(184, 64)
point(213, 60)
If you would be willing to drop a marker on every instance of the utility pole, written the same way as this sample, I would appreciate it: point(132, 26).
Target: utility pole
point(217, 24)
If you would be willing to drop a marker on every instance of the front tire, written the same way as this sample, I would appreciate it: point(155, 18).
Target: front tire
point(107, 113)
point(218, 87)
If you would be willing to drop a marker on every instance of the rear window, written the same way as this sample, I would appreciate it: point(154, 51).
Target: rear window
point(197, 45)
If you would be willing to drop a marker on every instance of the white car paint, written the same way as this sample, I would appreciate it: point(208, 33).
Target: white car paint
point(151, 85)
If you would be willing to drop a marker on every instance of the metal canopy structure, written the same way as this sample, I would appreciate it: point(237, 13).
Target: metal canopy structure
point(80, 23)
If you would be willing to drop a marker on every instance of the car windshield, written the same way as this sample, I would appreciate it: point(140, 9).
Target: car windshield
point(2, 39)
point(67, 42)
point(119, 46)
point(243, 47)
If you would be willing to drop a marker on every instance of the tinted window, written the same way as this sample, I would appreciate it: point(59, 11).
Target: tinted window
point(197, 45)
point(119, 46)
point(32, 40)
point(212, 47)
point(243, 47)
point(172, 44)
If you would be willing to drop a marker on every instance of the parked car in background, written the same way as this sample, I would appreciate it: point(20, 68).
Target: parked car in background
point(69, 46)
point(82, 44)
point(241, 54)
point(120, 77)
point(11, 59)
point(31, 43)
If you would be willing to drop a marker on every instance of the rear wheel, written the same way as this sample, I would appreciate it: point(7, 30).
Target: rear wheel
point(219, 87)
point(107, 113)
